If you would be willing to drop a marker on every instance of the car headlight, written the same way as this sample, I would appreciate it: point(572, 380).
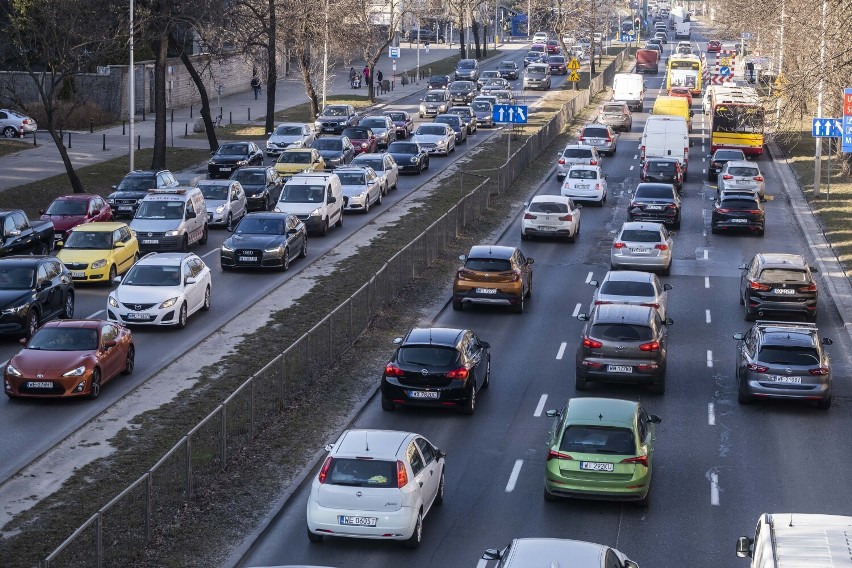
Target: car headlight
point(13, 371)
point(413, 159)
point(363, 145)
point(99, 263)
point(226, 248)
point(317, 124)
point(17, 310)
point(132, 232)
point(220, 209)
point(316, 212)
point(110, 200)
point(276, 248)
point(441, 144)
point(169, 303)
point(112, 302)
point(75, 372)
point(277, 210)
point(172, 233)
point(211, 161)
point(242, 162)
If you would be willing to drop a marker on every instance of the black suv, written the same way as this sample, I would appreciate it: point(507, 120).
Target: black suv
point(125, 199)
point(663, 170)
point(738, 211)
point(658, 202)
point(623, 344)
point(720, 158)
point(33, 290)
point(508, 70)
point(437, 367)
point(778, 283)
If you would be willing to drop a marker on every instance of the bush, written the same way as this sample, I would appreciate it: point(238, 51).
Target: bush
point(72, 116)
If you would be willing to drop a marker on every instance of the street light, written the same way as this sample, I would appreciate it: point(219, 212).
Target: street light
point(131, 87)
point(325, 59)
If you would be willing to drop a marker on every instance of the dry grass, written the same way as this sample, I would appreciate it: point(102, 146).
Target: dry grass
point(11, 146)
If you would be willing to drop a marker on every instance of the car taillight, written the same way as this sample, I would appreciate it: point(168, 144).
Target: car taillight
point(758, 178)
point(661, 247)
point(822, 371)
point(808, 288)
point(25, 121)
point(597, 186)
point(580, 139)
point(671, 206)
point(753, 211)
point(609, 139)
point(650, 346)
point(727, 176)
point(529, 216)
point(460, 373)
point(756, 368)
point(592, 343)
point(758, 286)
point(593, 162)
point(462, 274)
point(325, 467)
point(566, 218)
point(561, 161)
point(721, 210)
point(617, 245)
point(393, 370)
point(401, 475)
point(639, 460)
point(554, 455)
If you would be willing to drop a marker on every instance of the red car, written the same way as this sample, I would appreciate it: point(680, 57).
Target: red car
point(70, 358)
point(68, 211)
point(552, 47)
point(363, 139)
point(714, 45)
point(682, 92)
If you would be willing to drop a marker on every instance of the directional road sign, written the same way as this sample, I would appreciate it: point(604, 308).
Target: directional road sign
point(827, 128)
point(724, 71)
point(574, 76)
point(574, 64)
point(746, 35)
point(393, 52)
point(626, 38)
point(846, 145)
point(516, 114)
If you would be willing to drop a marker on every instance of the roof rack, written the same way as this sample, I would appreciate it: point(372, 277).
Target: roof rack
point(770, 323)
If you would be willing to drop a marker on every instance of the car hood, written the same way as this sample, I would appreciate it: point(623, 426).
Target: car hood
point(350, 190)
point(297, 208)
point(251, 190)
point(430, 104)
point(228, 159)
point(402, 158)
point(321, 118)
point(145, 294)
point(212, 204)
point(285, 169)
point(429, 138)
point(81, 255)
point(154, 225)
point(280, 139)
point(482, 113)
point(11, 298)
point(249, 241)
point(331, 154)
point(127, 194)
point(51, 364)
point(62, 223)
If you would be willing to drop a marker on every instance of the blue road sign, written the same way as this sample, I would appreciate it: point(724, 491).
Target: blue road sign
point(626, 38)
point(516, 114)
point(827, 128)
point(846, 140)
point(724, 71)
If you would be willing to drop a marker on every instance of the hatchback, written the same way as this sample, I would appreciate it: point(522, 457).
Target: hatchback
point(601, 136)
point(631, 287)
point(587, 183)
point(362, 188)
point(738, 212)
point(655, 202)
point(462, 91)
point(783, 360)
point(98, 252)
point(776, 283)
point(437, 367)
point(495, 275)
point(508, 70)
point(718, 160)
point(484, 111)
point(376, 484)
point(496, 84)
point(551, 216)
point(385, 167)
point(382, 126)
point(226, 201)
point(438, 82)
point(663, 170)
point(526, 552)
point(642, 245)
point(434, 102)
point(740, 174)
point(617, 115)
point(455, 122)
point(363, 139)
point(557, 64)
point(467, 115)
point(600, 448)
point(574, 154)
point(485, 76)
point(623, 344)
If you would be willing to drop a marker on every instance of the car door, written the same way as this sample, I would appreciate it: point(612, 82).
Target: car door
point(647, 433)
point(475, 357)
point(432, 469)
point(526, 272)
point(421, 476)
point(273, 185)
point(746, 353)
point(191, 291)
point(391, 171)
point(46, 293)
point(374, 187)
point(111, 358)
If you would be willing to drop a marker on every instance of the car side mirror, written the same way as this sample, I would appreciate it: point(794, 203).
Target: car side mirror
point(583, 317)
point(491, 554)
point(739, 336)
point(654, 419)
point(14, 233)
point(827, 341)
point(23, 341)
point(330, 200)
point(110, 344)
point(530, 260)
point(41, 211)
point(95, 213)
point(113, 186)
point(667, 287)
point(814, 269)
point(630, 564)
point(594, 283)
point(190, 214)
point(462, 257)
point(744, 547)
point(552, 413)
point(691, 143)
point(117, 279)
point(190, 280)
point(441, 454)
point(328, 447)
point(118, 245)
point(669, 321)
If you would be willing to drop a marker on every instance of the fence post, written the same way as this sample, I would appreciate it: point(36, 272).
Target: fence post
point(251, 407)
point(223, 439)
point(283, 379)
point(188, 470)
point(99, 541)
point(149, 488)
point(351, 318)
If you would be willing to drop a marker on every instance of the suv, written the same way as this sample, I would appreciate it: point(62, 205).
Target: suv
point(718, 160)
point(616, 114)
point(601, 136)
point(738, 210)
point(623, 344)
point(783, 360)
point(289, 135)
point(171, 219)
point(435, 102)
point(778, 283)
point(524, 552)
point(740, 174)
point(334, 118)
point(496, 275)
point(574, 154)
point(663, 170)
point(125, 199)
point(508, 70)
point(467, 69)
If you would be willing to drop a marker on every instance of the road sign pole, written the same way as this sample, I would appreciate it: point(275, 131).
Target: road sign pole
point(828, 173)
point(818, 154)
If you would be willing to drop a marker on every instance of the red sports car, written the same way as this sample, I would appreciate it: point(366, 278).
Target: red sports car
point(714, 45)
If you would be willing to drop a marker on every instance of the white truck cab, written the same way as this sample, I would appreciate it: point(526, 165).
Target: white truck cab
point(783, 540)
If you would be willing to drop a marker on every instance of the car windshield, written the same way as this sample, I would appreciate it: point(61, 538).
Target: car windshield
point(295, 157)
point(233, 150)
point(427, 356)
point(488, 264)
point(93, 240)
point(743, 171)
point(352, 178)
point(729, 155)
point(137, 183)
point(152, 275)
point(466, 64)
point(740, 204)
point(481, 106)
point(356, 133)
point(431, 131)
point(627, 288)
point(548, 207)
point(327, 144)
point(536, 70)
point(215, 192)
point(621, 332)
point(532, 55)
point(489, 74)
point(260, 226)
point(378, 164)
point(654, 192)
point(661, 167)
point(249, 177)
point(438, 79)
point(461, 86)
point(793, 355)
point(16, 277)
point(374, 123)
point(592, 132)
point(598, 440)
point(434, 97)
point(334, 111)
point(583, 174)
point(64, 339)
point(68, 207)
point(783, 275)
point(160, 210)
point(507, 65)
point(366, 472)
point(640, 236)
point(577, 153)
point(556, 59)
point(288, 131)
point(402, 148)
point(451, 120)
point(303, 194)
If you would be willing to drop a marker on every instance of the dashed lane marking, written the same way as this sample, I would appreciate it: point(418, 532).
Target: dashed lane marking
point(540, 407)
point(561, 352)
point(707, 316)
point(710, 358)
point(714, 489)
point(711, 414)
point(513, 478)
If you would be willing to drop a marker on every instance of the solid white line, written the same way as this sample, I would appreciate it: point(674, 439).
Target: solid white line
point(714, 489)
point(589, 277)
point(482, 563)
point(561, 352)
point(96, 314)
point(631, 168)
point(706, 281)
point(576, 311)
point(206, 254)
point(705, 254)
point(711, 414)
point(709, 358)
point(513, 478)
point(540, 407)
point(707, 315)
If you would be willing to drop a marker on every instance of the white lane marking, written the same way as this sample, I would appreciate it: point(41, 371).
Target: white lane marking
point(589, 277)
point(709, 358)
point(703, 160)
point(714, 489)
point(540, 407)
point(705, 254)
point(707, 315)
point(513, 478)
point(703, 171)
point(706, 281)
point(631, 168)
point(636, 157)
point(561, 352)
point(576, 310)
point(96, 314)
point(711, 414)
point(206, 254)
point(482, 563)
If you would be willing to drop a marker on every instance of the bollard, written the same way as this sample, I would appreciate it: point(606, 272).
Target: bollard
point(69, 139)
point(185, 129)
point(249, 114)
point(143, 114)
point(34, 138)
point(230, 117)
point(91, 126)
point(173, 115)
point(123, 124)
point(138, 141)
point(104, 142)
point(190, 111)
point(221, 111)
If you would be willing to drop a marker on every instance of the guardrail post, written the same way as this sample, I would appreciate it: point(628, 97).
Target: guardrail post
point(188, 470)
point(149, 488)
point(251, 407)
point(223, 439)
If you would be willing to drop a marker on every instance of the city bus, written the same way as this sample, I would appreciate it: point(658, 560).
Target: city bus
point(736, 119)
point(684, 71)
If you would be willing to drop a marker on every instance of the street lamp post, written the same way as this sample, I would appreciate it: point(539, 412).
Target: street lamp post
point(818, 153)
point(131, 95)
point(325, 59)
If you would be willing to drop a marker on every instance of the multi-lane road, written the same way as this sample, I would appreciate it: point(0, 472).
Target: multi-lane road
point(718, 465)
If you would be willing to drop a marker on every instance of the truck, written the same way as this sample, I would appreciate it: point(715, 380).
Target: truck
point(647, 61)
point(680, 22)
point(22, 236)
point(784, 540)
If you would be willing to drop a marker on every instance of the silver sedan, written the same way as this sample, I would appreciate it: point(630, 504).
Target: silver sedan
point(631, 287)
point(643, 245)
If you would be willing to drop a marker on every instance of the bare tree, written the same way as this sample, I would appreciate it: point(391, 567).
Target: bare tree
point(305, 27)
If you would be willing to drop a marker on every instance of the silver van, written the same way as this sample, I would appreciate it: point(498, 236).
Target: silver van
point(170, 219)
point(316, 198)
point(527, 552)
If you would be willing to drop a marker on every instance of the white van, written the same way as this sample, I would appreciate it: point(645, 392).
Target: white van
point(666, 137)
point(629, 88)
point(316, 198)
point(170, 219)
point(798, 539)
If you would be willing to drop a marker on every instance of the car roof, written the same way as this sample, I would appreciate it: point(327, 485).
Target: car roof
point(269, 215)
point(641, 225)
point(24, 260)
point(164, 258)
point(373, 443)
point(594, 410)
point(76, 323)
point(526, 552)
point(445, 336)
point(578, 147)
point(550, 199)
point(491, 251)
point(623, 313)
point(781, 260)
point(654, 185)
point(787, 334)
point(224, 182)
point(76, 197)
point(628, 276)
point(365, 155)
point(661, 159)
point(299, 124)
point(306, 149)
point(100, 226)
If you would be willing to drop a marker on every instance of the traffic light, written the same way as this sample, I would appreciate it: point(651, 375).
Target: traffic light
point(636, 23)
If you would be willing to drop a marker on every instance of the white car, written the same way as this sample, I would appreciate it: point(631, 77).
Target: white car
point(289, 135)
point(436, 138)
point(376, 484)
point(385, 167)
point(738, 174)
point(361, 187)
point(161, 289)
point(14, 125)
point(551, 216)
point(585, 182)
point(631, 287)
point(540, 37)
point(574, 154)
point(225, 199)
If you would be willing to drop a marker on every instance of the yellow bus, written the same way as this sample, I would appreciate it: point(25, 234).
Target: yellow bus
point(736, 119)
point(684, 71)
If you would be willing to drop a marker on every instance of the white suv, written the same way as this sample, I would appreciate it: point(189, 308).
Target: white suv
point(377, 484)
point(574, 154)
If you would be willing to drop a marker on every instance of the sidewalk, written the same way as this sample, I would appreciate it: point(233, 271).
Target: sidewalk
point(86, 149)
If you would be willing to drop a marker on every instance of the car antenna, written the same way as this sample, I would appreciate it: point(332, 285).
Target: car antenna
point(791, 520)
point(366, 441)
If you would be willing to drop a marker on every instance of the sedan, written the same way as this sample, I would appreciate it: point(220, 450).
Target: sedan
point(484, 112)
point(409, 157)
point(738, 175)
point(334, 150)
point(265, 240)
point(382, 126)
point(714, 45)
point(532, 57)
point(361, 188)
point(663, 170)
point(467, 115)
point(496, 84)
point(642, 245)
point(462, 91)
point(587, 183)
point(658, 202)
point(363, 139)
point(436, 138)
point(232, 156)
point(631, 287)
point(601, 136)
point(551, 216)
point(738, 212)
point(719, 158)
point(455, 122)
point(485, 76)
point(552, 47)
point(15, 125)
point(262, 186)
point(70, 358)
point(402, 121)
point(225, 201)
point(295, 160)
point(385, 167)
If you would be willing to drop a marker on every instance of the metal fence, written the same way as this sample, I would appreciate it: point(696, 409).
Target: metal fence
point(116, 535)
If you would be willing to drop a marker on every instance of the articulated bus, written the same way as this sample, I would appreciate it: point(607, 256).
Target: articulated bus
point(684, 71)
point(736, 119)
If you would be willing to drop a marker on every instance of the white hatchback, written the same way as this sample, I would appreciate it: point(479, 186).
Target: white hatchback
point(586, 182)
point(550, 216)
point(376, 484)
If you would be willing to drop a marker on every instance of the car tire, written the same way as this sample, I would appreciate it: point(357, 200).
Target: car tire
point(379, 200)
point(470, 406)
point(182, 316)
point(709, 176)
point(129, 361)
point(314, 537)
point(581, 384)
point(303, 252)
point(366, 205)
point(560, 177)
point(676, 224)
point(184, 246)
point(95, 386)
point(267, 204)
point(824, 404)
point(749, 315)
point(417, 536)
point(388, 405)
point(743, 397)
point(439, 496)
point(204, 236)
point(10, 132)
point(761, 232)
point(32, 323)
point(549, 497)
point(324, 231)
point(113, 272)
point(524, 236)
point(206, 305)
point(68, 307)
point(519, 307)
point(457, 305)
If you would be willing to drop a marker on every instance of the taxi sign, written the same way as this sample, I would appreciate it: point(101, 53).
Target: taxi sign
point(574, 76)
point(574, 64)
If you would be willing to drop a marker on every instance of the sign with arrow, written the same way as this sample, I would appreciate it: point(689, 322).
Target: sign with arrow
point(574, 64)
point(515, 114)
point(827, 128)
point(574, 76)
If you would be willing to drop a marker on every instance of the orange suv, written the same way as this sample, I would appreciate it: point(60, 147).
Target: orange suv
point(493, 275)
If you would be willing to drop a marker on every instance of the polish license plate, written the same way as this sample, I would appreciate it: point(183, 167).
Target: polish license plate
point(595, 141)
point(654, 207)
point(357, 521)
point(224, 169)
point(125, 208)
point(423, 394)
point(581, 186)
point(640, 251)
point(248, 259)
point(785, 379)
point(546, 228)
point(784, 291)
point(619, 369)
point(596, 466)
point(150, 242)
point(39, 385)
point(739, 220)
point(78, 274)
point(137, 316)
point(486, 290)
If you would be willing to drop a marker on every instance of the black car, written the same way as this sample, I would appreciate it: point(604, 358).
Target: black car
point(663, 170)
point(438, 82)
point(129, 192)
point(658, 202)
point(425, 34)
point(334, 118)
point(508, 70)
point(462, 91)
point(402, 121)
point(738, 212)
point(335, 150)
point(33, 290)
point(455, 122)
point(265, 240)
point(467, 115)
point(262, 186)
point(720, 158)
point(409, 156)
point(776, 283)
point(232, 156)
point(437, 367)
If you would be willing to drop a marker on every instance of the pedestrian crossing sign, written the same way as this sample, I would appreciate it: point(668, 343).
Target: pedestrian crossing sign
point(574, 76)
point(574, 64)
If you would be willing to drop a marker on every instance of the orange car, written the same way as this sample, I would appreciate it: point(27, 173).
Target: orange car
point(70, 358)
point(681, 92)
point(495, 275)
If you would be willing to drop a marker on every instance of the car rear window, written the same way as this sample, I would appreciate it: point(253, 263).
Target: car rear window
point(783, 275)
point(577, 153)
point(548, 207)
point(583, 174)
point(355, 133)
point(783, 355)
point(598, 440)
point(488, 264)
point(729, 155)
point(613, 109)
point(434, 97)
point(595, 132)
point(427, 356)
point(627, 288)
point(665, 167)
point(621, 332)
point(361, 472)
point(740, 204)
point(743, 171)
point(654, 192)
point(640, 236)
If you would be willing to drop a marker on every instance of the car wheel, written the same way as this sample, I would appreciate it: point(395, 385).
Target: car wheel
point(743, 397)
point(229, 221)
point(184, 246)
point(32, 323)
point(524, 236)
point(749, 315)
point(304, 251)
point(314, 537)
point(470, 406)
point(324, 230)
point(417, 535)
point(519, 307)
point(824, 404)
point(487, 382)
point(181, 323)
point(580, 384)
point(113, 272)
point(761, 232)
point(10, 132)
point(68, 309)
point(572, 238)
point(676, 224)
point(709, 175)
point(130, 360)
point(367, 204)
point(206, 305)
point(439, 496)
point(387, 405)
point(379, 200)
point(204, 235)
point(457, 305)
point(95, 386)
point(285, 260)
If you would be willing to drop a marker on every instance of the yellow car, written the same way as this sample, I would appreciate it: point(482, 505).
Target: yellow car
point(98, 252)
point(295, 160)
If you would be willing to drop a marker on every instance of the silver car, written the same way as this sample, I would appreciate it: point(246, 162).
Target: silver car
point(504, 97)
point(385, 167)
point(738, 174)
point(631, 287)
point(601, 136)
point(435, 102)
point(361, 188)
point(289, 135)
point(226, 201)
point(382, 126)
point(574, 154)
point(436, 138)
point(616, 114)
point(525, 552)
point(14, 125)
point(643, 245)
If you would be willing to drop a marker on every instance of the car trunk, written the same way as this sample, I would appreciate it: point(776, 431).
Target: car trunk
point(597, 453)
point(426, 366)
point(789, 367)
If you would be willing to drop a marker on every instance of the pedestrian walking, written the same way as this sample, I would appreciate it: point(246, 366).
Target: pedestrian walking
point(255, 85)
point(367, 74)
point(426, 44)
point(353, 75)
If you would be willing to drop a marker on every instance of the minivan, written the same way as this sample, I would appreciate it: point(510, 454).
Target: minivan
point(171, 219)
point(316, 198)
point(537, 76)
point(629, 88)
point(797, 539)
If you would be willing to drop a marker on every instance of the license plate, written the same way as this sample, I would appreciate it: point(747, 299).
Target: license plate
point(640, 251)
point(545, 228)
point(423, 394)
point(784, 291)
point(150, 242)
point(137, 316)
point(739, 220)
point(486, 290)
point(619, 369)
point(125, 208)
point(784, 379)
point(78, 274)
point(595, 141)
point(654, 207)
point(248, 259)
point(596, 466)
point(328, 129)
point(581, 186)
point(39, 385)
point(357, 521)
point(223, 169)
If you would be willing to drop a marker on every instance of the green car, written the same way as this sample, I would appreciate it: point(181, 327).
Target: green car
point(600, 448)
